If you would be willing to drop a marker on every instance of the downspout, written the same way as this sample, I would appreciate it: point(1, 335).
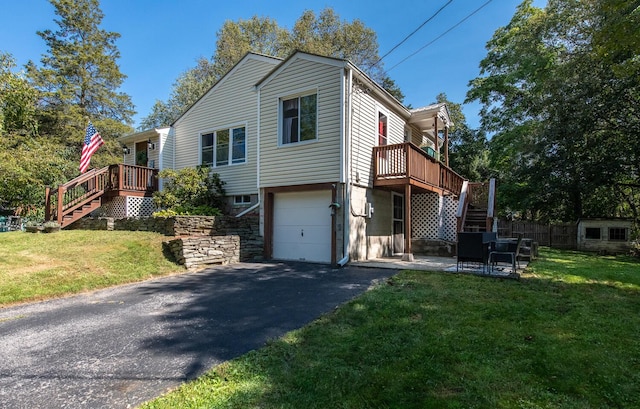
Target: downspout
point(257, 205)
point(346, 171)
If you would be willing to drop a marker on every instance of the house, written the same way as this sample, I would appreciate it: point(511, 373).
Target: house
point(605, 235)
point(334, 165)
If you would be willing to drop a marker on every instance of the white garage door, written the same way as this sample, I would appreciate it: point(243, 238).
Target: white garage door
point(302, 226)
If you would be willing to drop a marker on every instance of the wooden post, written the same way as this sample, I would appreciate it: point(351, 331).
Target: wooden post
point(121, 176)
point(407, 256)
point(60, 203)
point(47, 203)
point(435, 132)
point(446, 145)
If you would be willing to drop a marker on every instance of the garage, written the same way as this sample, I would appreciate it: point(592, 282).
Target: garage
point(302, 226)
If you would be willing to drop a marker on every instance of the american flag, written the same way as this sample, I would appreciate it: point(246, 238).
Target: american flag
point(92, 141)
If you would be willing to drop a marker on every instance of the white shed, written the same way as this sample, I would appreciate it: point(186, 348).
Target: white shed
point(604, 235)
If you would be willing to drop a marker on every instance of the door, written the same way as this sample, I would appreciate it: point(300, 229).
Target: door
point(142, 155)
point(397, 218)
point(302, 226)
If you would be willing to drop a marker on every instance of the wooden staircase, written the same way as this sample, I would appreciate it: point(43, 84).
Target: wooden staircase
point(476, 219)
point(476, 207)
point(86, 193)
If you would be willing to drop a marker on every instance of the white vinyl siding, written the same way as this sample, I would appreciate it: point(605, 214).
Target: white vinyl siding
point(364, 134)
point(232, 101)
point(316, 161)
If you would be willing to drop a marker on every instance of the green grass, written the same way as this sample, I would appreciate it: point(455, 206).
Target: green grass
point(567, 335)
point(39, 266)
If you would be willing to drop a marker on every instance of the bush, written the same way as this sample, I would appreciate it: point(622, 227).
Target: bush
point(190, 191)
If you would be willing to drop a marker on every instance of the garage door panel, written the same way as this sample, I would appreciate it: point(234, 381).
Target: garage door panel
point(302, 226)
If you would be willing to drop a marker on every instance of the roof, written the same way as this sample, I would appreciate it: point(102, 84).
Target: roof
point(147, 133)
point(340, 63)
point(247, 56)
point(425, 117)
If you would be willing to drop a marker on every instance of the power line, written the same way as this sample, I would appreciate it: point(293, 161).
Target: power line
point(412, 33)
point(441, 35)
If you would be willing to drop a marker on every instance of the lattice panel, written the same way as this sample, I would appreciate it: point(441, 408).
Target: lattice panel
point(116, 208)
point(425, 216)
point(448, 220)
point(140, 206)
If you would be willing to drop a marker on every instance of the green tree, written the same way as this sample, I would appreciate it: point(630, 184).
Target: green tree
point(558, 91)
point(79, 77)
point(17, 100)
point(323, 34)
point(468, 149)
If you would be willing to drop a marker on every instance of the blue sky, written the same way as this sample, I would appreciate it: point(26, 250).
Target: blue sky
point(160, 39)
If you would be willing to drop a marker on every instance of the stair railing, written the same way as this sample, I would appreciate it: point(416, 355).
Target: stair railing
point(74, 194)
point(463, 204)
point(478, 195)
point(491, 204)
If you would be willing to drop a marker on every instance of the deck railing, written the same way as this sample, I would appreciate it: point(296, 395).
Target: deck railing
point(67, 198)
point(407, 163)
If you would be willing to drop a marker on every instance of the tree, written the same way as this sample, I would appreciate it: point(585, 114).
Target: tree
point(324, 34)
point(468, 150)
point(558, 91)
point(79, 77)
point(17, 100)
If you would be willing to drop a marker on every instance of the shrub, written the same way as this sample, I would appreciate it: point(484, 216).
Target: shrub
point(190, 191)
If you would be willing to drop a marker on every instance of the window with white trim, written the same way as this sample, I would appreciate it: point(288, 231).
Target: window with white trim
point(299, 119)
point(224, 147)
point(242, 199)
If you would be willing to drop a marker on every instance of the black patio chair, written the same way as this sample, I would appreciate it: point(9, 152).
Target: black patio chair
point(505, 252)
point(472, 248)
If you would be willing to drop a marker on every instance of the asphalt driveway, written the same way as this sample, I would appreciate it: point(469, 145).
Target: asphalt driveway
point(119, 347)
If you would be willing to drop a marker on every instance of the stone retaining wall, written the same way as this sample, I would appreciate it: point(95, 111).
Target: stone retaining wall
point(197, 251)
point(247, 228)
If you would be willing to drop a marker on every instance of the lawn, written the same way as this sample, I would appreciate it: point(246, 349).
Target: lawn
point(39, 266)
point(567, 335)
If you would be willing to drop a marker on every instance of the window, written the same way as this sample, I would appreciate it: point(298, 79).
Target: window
point(592, 233)
point(617, 234)
point(382, 129)
point(226, 146)
point(242, 199)
point(299, 119)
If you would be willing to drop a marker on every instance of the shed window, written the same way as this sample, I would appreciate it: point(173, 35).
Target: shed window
point(617, 234)
point(592, 233)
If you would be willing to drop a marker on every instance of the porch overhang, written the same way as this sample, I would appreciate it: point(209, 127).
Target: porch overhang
point(431, 118)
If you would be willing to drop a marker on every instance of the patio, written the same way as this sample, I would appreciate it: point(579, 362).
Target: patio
point(433, 263)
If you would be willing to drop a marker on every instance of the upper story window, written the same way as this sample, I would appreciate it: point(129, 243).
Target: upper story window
point(224, 147)
point(382, 129)
point(299, 119)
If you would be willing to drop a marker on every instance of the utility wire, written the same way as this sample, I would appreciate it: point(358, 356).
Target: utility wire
point(412, 33)
point(441, 35)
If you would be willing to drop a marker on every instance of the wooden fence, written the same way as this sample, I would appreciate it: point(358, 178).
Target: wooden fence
point(558, 235)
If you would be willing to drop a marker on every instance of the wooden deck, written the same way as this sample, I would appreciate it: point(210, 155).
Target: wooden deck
point(406, 164)
point(84, 194)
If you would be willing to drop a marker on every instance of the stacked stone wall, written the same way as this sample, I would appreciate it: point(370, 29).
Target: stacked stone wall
point(246, 228)
point(198, 251)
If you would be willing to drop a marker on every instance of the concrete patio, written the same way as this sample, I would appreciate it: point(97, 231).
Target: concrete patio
point(447, 264)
